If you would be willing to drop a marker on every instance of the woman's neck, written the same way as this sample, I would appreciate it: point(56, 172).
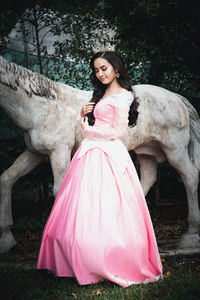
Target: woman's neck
point(114, 88)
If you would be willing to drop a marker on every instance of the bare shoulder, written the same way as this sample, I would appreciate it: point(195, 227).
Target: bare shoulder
point(122, 90)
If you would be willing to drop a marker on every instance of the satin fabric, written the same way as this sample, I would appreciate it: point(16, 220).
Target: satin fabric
point(99, 227)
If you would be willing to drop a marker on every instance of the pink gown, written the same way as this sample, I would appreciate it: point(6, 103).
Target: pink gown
point(99, 227)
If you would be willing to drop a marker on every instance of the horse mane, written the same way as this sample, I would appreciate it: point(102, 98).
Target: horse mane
point(16, 76)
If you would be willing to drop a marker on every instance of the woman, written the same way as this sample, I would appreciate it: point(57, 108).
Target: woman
point(99, 227)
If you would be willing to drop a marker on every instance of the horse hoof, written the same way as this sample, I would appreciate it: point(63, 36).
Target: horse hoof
point(189, 241)
point(7, 242)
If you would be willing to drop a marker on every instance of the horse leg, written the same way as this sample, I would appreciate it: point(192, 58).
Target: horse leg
point(190, 175)
point(148, 171)
point(60, 160)
point(26, 162)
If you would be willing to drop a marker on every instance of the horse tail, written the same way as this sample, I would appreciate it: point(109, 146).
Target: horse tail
point(194, 142)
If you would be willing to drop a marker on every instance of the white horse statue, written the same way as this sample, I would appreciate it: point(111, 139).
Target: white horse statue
point(168, 127)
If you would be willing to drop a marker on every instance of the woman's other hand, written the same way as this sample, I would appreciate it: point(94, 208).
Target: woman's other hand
point(87, 108)
point(84, 122)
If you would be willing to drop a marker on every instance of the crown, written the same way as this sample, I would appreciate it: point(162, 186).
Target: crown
point(101, 48)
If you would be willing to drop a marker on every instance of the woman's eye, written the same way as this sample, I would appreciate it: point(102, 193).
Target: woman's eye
point(104, 69)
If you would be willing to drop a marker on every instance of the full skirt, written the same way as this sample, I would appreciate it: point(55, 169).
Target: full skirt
point(99, 227)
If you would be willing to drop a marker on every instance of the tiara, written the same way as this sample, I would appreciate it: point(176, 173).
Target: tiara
point(100, 48)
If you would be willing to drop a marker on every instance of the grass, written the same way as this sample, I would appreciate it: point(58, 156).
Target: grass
point(181, 282)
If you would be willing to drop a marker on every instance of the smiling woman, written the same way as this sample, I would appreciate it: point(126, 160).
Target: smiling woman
point(108, 70)
point(100, 227)
point(106, 74)
point(104, 71)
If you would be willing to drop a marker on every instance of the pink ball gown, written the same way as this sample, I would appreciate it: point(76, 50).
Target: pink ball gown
point(99, 227)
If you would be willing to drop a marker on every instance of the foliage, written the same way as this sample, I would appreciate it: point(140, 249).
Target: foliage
point(62, 42)
point(157, 35)
point(164, 34)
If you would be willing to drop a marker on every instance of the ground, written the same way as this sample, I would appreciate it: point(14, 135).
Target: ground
point(20, 279)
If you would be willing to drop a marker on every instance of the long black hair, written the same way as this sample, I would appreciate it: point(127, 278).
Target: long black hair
point(99, 88)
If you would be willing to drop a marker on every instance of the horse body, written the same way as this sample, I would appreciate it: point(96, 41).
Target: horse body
point(167, 112)
point(167, 127)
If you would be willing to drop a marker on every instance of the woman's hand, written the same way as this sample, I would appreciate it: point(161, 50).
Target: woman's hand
point(87, 108)
point(84, 122)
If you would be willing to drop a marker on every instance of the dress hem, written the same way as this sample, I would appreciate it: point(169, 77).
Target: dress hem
point(128, 283)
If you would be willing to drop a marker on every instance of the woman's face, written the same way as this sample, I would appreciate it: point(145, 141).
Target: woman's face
point(104, 71)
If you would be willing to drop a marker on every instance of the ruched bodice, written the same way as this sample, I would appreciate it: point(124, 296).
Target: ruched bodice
point(111, 117)
point(104, 113)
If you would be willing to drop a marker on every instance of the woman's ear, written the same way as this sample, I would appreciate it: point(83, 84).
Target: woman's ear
point(117, 74)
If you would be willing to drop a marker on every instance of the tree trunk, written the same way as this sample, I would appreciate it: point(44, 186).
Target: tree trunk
point(23, 29)
point(37, 39)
